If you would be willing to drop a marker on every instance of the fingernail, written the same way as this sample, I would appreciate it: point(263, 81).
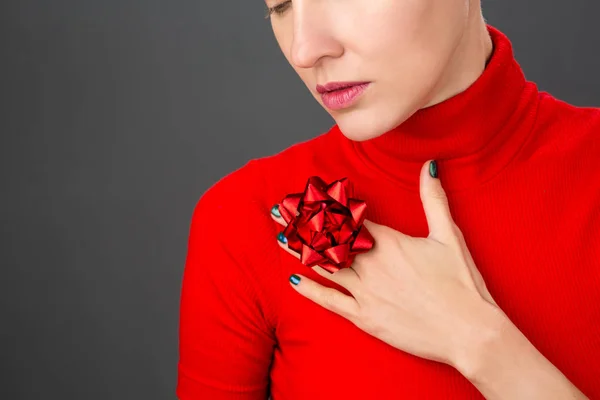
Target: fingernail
point(275, 211)
point(295, 279)
point(281, 238)
point(433, 169)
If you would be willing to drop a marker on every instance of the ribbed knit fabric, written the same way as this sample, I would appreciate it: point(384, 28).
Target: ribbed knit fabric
point(520, 168)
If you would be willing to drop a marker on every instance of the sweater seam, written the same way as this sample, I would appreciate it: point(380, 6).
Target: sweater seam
point(183, 370)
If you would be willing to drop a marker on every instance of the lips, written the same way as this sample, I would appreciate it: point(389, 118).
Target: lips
point(337, 96)
point(333, 86)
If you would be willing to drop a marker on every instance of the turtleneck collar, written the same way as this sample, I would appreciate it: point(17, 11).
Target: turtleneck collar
point(472, 135)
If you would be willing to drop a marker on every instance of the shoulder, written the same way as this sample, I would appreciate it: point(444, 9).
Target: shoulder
point(564, 146)
point(242, 199)
point(234, 187)
point(261, 182)
point(232, 226)
point(300, 154)
point(568, 126)
point(228, 209)
point(256, 178)
point(564, 137)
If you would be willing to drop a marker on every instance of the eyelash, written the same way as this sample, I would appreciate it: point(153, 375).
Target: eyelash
point(279, 9)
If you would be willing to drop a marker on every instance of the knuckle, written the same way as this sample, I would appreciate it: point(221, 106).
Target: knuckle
point(359, 259)
point(357, 292)
point(457, 233)
point(368, 323)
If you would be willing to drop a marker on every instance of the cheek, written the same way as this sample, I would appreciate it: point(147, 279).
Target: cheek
point(385, 18)
point(391, 27)
point(410, 37)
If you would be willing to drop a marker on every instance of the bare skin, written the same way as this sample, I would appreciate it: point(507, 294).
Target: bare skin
point(414, 53)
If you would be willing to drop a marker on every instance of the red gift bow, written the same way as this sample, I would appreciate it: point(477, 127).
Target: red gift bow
point(325, 224)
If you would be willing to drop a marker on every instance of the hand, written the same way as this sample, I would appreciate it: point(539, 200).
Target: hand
point(420, 295)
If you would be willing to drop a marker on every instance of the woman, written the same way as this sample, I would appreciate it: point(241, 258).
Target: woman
point(482, 199)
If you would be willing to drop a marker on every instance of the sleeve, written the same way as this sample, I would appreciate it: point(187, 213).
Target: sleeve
point(225, 339)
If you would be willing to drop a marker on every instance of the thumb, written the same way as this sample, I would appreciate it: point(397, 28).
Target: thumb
point(435, 203)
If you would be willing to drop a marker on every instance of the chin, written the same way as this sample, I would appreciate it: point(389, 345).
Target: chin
point(360, 125)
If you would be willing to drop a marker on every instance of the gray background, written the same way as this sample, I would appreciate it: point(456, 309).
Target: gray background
point(116, 116)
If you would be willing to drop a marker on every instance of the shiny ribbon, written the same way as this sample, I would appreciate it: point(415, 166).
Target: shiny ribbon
point(325, 224)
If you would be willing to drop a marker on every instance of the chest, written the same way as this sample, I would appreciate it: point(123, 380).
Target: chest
point(537, 260)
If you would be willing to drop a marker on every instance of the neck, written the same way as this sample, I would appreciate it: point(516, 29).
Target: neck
point(473, 128)
point(468, 62)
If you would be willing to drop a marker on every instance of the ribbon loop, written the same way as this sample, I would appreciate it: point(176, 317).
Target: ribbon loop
point(325, 224)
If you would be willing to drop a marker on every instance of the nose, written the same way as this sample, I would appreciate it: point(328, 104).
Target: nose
point(313, 35)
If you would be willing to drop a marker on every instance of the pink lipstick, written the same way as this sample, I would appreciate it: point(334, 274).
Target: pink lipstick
point(338, 95)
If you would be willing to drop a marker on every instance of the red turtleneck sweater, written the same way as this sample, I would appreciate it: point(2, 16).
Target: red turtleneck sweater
point(521, 170)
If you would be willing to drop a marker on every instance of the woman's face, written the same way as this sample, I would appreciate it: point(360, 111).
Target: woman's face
point(403, 48)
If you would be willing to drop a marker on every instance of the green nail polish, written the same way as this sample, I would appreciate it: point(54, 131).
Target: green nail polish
point(433, 169)
point(281, 237)
point(295, 279)
point(275, 211)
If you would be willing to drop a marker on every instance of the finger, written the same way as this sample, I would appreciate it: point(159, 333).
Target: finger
point(279, 220)
point(379, 231)
point(277, 216)
point(328, 298)
point(435, 204)
point(345, 277)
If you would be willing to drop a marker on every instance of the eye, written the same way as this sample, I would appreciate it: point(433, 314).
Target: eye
point(278, 9)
